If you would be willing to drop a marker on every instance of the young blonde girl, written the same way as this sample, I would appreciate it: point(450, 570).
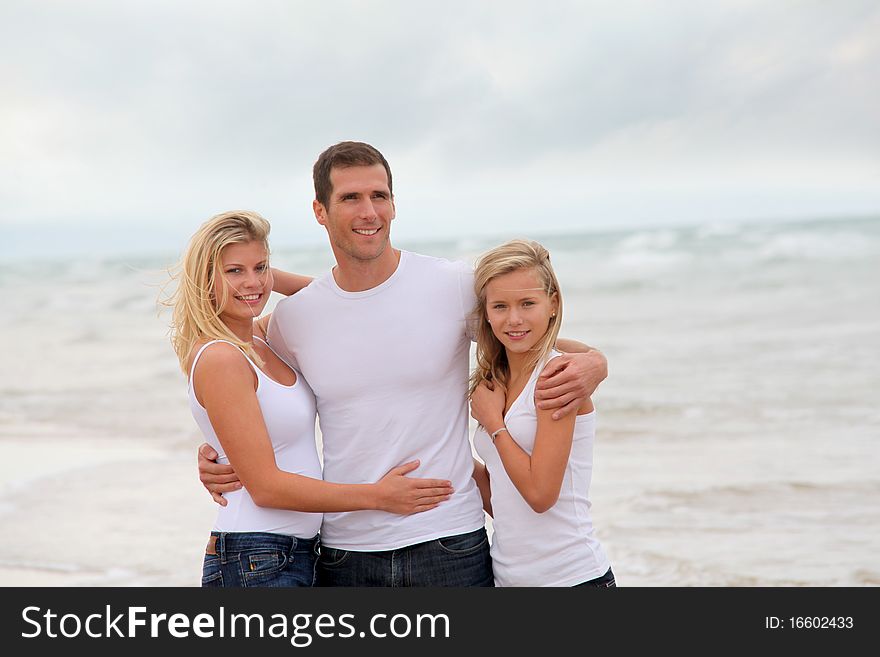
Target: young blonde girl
point(537, 472)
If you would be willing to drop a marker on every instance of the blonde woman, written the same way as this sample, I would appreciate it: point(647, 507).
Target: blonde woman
point(537, 470)
point(259, 414)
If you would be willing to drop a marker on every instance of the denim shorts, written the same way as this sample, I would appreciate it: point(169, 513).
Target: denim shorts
point(260, 559)
point(461, 560)
point(606, 581)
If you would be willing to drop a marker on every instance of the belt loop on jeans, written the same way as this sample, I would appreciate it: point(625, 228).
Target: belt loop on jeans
point(215, 545)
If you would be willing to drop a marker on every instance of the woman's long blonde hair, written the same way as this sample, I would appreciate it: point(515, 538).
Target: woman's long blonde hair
point(511, 256)
point(195, 312)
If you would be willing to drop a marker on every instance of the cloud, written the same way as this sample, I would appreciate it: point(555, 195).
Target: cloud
point(163, 113)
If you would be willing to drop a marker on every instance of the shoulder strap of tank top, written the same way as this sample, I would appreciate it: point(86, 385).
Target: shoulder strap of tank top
point(208, 344)
point(539, 367)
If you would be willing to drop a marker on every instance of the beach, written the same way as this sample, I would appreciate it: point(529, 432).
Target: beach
point(90, 514)
point(738, 431)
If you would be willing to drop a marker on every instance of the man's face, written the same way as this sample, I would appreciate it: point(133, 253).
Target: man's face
point(358, 217)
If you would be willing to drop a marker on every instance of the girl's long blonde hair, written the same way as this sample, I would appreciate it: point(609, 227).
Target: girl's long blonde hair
point(195, 312)
point(511, 256)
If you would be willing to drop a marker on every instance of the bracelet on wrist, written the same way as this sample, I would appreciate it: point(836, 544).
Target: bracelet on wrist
point(495, 433)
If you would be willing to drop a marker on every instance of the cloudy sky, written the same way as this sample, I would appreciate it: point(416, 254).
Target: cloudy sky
point(123, 125)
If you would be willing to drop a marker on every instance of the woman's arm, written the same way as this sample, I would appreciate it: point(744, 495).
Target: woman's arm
point(225, 385)
point(537, 477)
point(481, 476)
point(288, 283)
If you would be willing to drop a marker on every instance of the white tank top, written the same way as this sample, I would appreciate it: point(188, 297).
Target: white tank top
point(557, 547)
point(289, 415)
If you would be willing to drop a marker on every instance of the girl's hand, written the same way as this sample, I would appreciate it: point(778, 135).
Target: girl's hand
point(487, 406)
point(397, 493)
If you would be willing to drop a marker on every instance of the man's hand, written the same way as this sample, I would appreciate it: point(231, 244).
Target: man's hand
point(569, 380)
point(406, 495)
point(217, 478)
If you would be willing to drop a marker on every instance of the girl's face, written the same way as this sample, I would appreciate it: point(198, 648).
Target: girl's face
point(247, 279)
point(518, 309)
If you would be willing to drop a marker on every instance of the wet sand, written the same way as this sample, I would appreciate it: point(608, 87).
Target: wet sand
point(87, 513)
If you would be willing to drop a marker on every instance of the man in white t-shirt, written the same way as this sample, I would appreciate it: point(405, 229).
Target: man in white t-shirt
point(383, 340)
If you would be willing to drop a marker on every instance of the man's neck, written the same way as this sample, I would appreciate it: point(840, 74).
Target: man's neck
point(358, 275)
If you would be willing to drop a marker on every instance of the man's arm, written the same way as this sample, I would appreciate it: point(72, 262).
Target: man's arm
point(569, 380)
point(567, 346)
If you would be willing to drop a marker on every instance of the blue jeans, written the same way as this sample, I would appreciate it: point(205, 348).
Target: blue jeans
point(259, 559)
point(606, 581)
point(461, 560)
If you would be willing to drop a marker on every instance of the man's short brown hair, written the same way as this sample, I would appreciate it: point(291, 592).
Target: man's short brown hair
point(341, 156)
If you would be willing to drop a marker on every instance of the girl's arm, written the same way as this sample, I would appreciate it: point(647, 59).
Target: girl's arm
point(537, 477)
point(481, 476)
point(288, 283)
point(225, 385)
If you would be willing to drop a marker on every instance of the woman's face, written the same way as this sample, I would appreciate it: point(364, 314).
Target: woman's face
point(518, 309)
point(247, 279)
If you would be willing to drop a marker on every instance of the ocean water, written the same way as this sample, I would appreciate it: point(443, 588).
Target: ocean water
point(739, 429)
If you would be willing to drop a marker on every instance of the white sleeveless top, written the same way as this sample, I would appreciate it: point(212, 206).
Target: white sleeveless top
point(289, 415)
point(557, 547)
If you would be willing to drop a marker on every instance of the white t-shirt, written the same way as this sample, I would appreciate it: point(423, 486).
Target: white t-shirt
point(557, 547)
point(389, 369)
point(289, 415)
